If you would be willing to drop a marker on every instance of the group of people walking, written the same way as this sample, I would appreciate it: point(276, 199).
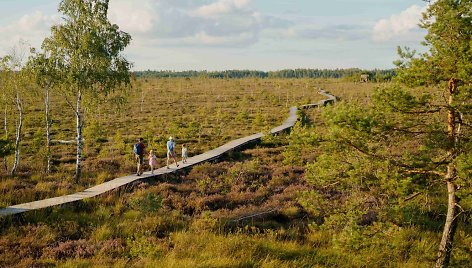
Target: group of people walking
point(139, 151)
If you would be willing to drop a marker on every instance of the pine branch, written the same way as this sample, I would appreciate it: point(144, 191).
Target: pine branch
point(404, 111)
point(412, 196)
point(425, 172)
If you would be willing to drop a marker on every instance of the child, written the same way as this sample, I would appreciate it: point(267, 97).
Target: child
point(152, 160)
point(184, 154)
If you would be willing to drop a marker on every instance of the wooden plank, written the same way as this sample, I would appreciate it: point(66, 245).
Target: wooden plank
point(191, 161)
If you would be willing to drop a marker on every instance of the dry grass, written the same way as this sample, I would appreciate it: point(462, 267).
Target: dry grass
point(203, 113)
point(241, 212)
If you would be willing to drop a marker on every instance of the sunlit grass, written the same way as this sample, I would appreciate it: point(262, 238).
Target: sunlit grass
point(243, 211)
point(203, 113)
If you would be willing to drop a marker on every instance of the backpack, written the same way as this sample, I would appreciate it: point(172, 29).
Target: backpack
point(137, 149)
point(170, 145)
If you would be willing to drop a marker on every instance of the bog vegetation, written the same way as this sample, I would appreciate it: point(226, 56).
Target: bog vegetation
point(269, 205)
point(380, 179)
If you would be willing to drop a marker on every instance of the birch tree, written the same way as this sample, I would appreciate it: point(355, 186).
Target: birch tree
point(86, 52)
point(5, 145)
point(16, 87)
point(42, 67)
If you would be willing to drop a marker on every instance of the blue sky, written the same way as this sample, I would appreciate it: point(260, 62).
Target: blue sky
point(240, 34)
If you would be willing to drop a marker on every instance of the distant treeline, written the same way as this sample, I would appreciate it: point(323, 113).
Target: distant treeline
point(352, 73)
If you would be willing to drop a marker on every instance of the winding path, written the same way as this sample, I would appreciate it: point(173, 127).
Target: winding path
point(195, 160)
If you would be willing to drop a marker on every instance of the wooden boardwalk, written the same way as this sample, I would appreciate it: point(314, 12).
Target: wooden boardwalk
point(191, 161)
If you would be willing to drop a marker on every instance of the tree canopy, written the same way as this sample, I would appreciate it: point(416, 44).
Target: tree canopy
point(354, 73)
point(86, 54)
point(86, 47)
point(413, 135)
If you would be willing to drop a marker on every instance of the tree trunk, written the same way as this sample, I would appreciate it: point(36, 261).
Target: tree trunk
point(48, 131)
point(5, 122)
point(19, 106)
point(142, 98)
point(445, 247)
point(79, 137)
point(5, 126)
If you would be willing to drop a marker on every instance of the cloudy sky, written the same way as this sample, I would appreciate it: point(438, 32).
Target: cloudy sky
point(240, 34)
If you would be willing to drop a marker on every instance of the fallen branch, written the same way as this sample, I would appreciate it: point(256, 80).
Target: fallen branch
point(65, 142)
point(332, 184)
point(257, 214)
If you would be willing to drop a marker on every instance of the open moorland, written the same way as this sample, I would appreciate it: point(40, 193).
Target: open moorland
point(202, 113)
point(379, 174)
point(260, 207)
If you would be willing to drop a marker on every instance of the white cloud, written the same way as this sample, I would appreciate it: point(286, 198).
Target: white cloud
point(337, 32)
point(220, 7)
point(133, 16)
point(206, 23)
point(30, 28)
point(238, 39)
point(191, 23)
point(30, 21)
point(403, 25)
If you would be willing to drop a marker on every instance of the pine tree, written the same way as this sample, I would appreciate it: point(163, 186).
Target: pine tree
point(448, 64)
point(413, 135)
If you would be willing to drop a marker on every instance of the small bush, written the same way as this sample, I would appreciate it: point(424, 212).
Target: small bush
point(146, 203)
point(71, 249)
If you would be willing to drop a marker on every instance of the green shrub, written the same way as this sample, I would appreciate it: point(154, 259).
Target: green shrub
point(146, 203)
point(143, 246)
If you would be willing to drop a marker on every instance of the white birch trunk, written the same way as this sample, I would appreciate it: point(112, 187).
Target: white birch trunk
point(48, 130)
point(5, 126)
point(19, 126)
point(5, 122)
point(142, 98)
point(79, 136)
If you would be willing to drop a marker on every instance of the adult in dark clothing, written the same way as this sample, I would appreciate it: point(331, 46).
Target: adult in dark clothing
point(139, 150)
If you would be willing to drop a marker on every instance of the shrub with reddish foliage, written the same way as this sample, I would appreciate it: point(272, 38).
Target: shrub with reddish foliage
point(112, 248)
point(71, 249)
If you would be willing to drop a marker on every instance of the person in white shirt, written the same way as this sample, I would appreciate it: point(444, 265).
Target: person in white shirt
point(184, 153)
point(152, 160)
